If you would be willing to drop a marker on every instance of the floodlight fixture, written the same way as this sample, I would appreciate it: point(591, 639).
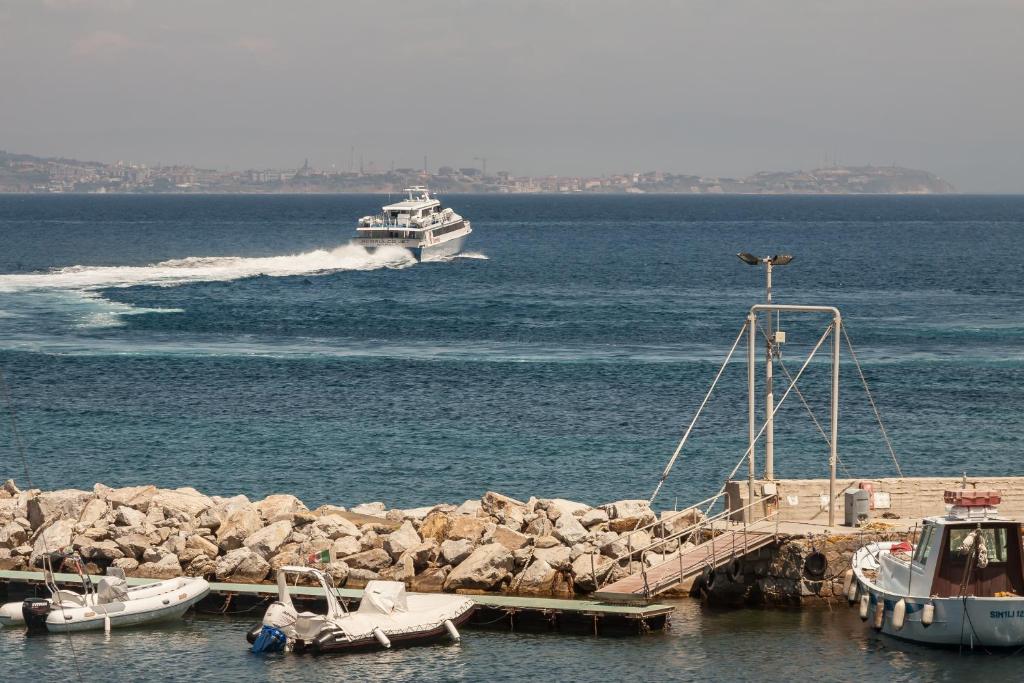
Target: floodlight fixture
point(780, 259)
point(749, 259)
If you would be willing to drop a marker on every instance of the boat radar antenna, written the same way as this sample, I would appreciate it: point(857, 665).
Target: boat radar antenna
point(773, 340)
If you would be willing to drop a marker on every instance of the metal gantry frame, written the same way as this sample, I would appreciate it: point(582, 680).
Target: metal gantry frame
point(837, 322)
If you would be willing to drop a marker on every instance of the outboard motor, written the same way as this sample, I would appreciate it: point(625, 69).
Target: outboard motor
point(35, 611)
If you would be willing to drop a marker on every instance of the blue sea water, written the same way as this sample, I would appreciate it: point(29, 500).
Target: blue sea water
point(240, 345)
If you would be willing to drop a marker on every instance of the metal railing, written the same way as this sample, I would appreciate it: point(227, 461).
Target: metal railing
point(711, 526)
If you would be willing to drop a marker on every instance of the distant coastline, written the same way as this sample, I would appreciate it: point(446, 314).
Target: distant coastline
point(25, 173)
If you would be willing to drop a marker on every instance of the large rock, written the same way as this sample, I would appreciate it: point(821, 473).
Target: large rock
point(12, 535)
point(105, 551)
point(436, 525)
point(513, 540)
point(128, 564)
point(134, 545)
point(540, 578)
point(129, 517)
point(373, 560)
point(431, 580)
point(213, 517)
point(267, 540)
point(592, 518)
point(589, 566)
point(469, 528)
point(423, 553)
point(53, 538)
point(539, 526)
point(238, 526)
point(167, 567)
point(569, 530)
point(278, 504)
point(676, 522)
point(186, 500)
point(138, 497)
point(454, 552)
point(358, 578)
point(53, 505)
point(93, 512)
point(242, 565)
point(557, 557)
point(202, 545)
point(494, 503)
point(626, 515)
point(332, 527)
point(375, 509)
point(398, 542)
point(556, 507)
point(345, 546)
point(485, 569)
point(473, 508)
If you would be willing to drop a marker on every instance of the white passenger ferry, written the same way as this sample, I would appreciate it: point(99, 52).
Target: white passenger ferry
point(419, 224)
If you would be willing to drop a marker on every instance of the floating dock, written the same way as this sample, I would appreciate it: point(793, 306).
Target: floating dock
point(507, 612)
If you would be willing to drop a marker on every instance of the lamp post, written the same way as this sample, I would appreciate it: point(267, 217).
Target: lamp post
point(771, 349)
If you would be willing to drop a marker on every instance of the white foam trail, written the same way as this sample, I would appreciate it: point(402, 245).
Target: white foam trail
point(473, 255)
point(209, 269)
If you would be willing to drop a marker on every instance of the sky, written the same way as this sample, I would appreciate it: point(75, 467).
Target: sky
point(565, 87)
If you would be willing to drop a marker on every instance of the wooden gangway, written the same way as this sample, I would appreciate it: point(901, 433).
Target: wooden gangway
point(721, 539)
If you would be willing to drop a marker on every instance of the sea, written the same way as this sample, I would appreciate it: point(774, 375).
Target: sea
point(241, 344)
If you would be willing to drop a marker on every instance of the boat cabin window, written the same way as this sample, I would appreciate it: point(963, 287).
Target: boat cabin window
point(995, 542)
point(924, 545)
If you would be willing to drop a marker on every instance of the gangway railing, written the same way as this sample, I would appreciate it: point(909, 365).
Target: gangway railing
point(710, 526)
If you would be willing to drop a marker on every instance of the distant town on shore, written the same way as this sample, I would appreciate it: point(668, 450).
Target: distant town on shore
point(24, 173)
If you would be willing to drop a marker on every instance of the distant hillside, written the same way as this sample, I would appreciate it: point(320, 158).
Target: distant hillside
point(27, 173)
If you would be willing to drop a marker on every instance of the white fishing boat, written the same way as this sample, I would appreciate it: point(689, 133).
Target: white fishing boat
point(961, 584)
point(108, 603)
point(387, 616)
point(419, 224)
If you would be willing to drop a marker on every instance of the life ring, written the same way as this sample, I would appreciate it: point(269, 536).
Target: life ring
point(815, 565)
point(734, 570)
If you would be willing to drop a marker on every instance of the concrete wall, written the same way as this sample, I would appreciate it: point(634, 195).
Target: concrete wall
point(806, 500)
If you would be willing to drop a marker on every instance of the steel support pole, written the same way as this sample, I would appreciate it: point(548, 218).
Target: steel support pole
point(834, 436)
point(769, 396)
point(751, 342)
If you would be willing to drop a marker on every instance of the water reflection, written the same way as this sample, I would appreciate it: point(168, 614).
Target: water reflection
point(702, 644)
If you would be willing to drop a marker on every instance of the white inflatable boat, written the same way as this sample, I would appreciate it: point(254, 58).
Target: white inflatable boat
point(387, 616)
point(107, 604)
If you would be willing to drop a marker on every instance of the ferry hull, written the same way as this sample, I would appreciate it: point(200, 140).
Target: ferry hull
point(430, 252)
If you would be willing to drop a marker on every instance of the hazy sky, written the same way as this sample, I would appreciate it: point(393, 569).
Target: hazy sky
point(719, 87)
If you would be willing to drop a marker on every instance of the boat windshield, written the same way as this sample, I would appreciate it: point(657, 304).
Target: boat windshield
point(924, 545)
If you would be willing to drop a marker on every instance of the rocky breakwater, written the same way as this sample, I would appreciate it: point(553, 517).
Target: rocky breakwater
point(549, 547)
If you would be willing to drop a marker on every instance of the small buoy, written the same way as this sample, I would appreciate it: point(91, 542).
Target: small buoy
point(847, 580)
point(381, 638)
point(928, 615)
point(899, 613)
point(851, 592)
point(879, 615)
point(865, 605)
point(106, 623)
point(452, 631)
